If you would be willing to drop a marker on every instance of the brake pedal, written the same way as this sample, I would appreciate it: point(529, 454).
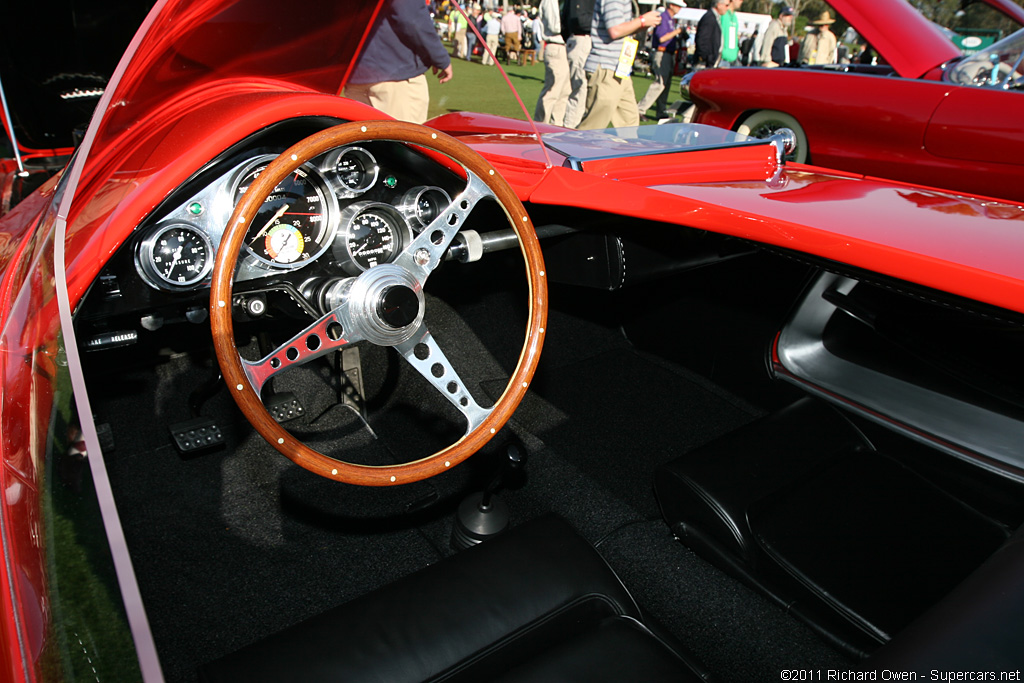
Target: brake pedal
point(196, 436)
point(284, 406)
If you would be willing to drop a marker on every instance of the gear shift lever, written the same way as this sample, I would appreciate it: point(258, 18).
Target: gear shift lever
point(483, 514)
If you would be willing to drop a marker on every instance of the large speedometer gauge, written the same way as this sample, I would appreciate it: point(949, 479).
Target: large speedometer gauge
point(294, 225)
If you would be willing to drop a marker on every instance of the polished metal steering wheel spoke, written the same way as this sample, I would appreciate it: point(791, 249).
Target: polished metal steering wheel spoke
point(425, 252)
point(330, 333)
point(423, 353)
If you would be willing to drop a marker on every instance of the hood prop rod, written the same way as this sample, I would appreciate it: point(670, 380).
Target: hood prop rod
point(10, 131)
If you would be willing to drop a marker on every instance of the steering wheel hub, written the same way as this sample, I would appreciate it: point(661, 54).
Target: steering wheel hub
point(398, 307)
point(386, 305)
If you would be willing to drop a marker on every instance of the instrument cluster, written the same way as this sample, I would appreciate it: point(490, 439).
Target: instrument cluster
point(349, 204)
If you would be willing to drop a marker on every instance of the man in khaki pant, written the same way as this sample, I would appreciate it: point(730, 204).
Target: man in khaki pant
point(390, 73)
point(610, 97)
point(554, 97)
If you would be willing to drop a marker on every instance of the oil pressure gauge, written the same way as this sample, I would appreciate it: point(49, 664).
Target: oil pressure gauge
point(176, 256)
point(354, 169)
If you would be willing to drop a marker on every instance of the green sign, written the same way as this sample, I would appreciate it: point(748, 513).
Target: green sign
point(970, 44)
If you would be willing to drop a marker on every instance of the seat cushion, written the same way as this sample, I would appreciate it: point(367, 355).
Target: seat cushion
point(979, 626)
point(614, 649)
point(473, 616)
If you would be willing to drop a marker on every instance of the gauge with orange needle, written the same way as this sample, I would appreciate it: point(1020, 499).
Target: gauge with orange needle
point(293, 225)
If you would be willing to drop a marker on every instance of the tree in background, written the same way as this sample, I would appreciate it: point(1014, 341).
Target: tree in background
point(966, 14)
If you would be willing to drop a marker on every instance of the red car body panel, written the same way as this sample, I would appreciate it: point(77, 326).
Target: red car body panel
point(917, 129)
point(965, 245)
point(998, 141)
point(186, 97)
point(28, 351)
point(865, 222)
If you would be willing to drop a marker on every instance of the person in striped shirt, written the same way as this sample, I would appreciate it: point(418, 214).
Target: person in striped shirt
point(610, 97)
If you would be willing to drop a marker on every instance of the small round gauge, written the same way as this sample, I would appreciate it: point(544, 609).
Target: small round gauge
point(293, 226)
point(423, 204)
point(175, 256)
point(374, 234)
point(355, 168)
point(284, 243)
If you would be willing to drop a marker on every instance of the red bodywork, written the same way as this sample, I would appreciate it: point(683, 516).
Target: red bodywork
point(191, 90)
point(910, 125)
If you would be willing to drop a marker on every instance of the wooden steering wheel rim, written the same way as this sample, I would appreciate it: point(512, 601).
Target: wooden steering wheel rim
point(223, 330)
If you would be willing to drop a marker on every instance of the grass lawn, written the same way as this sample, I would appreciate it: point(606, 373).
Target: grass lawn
point(479, 88)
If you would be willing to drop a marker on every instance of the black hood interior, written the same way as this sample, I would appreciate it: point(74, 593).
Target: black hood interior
point(55, 60)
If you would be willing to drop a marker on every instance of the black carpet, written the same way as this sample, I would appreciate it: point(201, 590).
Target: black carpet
point(235, 545)
point(627, 413)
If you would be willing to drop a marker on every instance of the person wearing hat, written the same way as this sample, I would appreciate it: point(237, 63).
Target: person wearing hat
point(776, 39)
point(667, 39)
point(819, 47)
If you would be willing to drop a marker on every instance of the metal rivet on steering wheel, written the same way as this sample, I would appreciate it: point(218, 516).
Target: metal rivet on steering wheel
point(384, 305)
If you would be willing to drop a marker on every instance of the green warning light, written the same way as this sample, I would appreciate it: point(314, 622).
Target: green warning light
point(195, 208)
point(391, 181)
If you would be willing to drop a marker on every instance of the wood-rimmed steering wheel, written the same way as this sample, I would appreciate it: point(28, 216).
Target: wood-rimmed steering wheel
point(384, 305)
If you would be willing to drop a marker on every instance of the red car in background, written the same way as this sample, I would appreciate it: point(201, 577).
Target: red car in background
point(924, 113)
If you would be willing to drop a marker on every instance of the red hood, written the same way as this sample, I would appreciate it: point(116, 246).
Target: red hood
point(902, 36)
point(193, 44)
point(905, 39)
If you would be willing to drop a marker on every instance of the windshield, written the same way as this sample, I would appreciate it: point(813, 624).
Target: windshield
point(998, 66)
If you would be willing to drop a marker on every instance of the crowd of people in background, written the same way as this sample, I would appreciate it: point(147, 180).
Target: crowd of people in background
point(590, 49)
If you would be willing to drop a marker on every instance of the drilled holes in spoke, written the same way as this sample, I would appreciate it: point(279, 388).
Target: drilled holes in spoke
point(431, 362)
point(315, 341)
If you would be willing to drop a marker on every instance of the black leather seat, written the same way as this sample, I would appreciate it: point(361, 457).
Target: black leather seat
point(977, 627)
point(536, 604)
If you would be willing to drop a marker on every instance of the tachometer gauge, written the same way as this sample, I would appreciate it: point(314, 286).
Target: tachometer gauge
point(373, 234)
point(355, 169)
point(294, 224)
point(175, 256)
point(423, 204)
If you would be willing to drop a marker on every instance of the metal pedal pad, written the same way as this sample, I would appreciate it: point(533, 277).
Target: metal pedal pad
point(196, 436)
point(284, 406)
